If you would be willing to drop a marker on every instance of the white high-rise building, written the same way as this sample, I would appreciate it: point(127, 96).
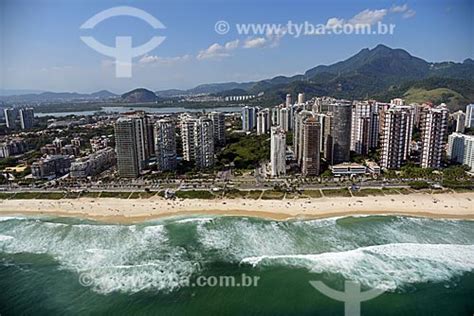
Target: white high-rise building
point(218, 118)
point(365, 127)
point(396, 135)
point(461, 149)
point(249, 118)
point(204, 147)
point(165, 144)
point(263, 122)
point(301, 98)
point(434, 130)
point(300, 118)
point(198, 141)
point(278, 152)
point(288, 100)
point(285, 118)
point(470, 116)
point(27, 118)
point(459, 121)
point(187, 138)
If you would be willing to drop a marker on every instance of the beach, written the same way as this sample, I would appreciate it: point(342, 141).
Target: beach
point(115, 210)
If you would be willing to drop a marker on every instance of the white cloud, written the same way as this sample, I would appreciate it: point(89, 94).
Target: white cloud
point(368, 17)
point(334, 22)
point(150, 59)
point(399, 8)
point(409, 14)
point(255, 42)
point(218, 51)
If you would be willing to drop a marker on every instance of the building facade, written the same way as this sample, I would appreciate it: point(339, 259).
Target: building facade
point(340, 144)
point(365, 127)
point(461, 149)
point(263, 122)
point(278, 152)
point(311, 153)
point(396, 135)
point(434, 130)
point(165, 144)
point(127, 143)
point(218, 119)
point(27, 116)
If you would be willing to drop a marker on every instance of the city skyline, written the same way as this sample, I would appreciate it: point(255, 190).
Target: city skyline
point(188, 58)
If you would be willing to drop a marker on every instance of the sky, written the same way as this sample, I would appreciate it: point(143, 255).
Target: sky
point(41, 46)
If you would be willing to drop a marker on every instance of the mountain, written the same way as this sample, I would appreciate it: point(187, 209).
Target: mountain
point(103, 94)
point(58, 97)
point(138, 96)
point(10, 92)
point(373, 73)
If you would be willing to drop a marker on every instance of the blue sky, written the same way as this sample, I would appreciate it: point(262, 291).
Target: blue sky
point(41, 46)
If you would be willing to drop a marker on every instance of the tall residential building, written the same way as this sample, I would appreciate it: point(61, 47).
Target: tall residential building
point(249, 117)
point(300, 118)
point(126, 146)
point(263, 122)
point(285, 120)
point(187, 138)
point(341, 132)
point(165, 144)
point(461, 149)
point(278, 152)
point(365, 127)
point(434, 129)
point(459, 121)
point(11, 116)
point(301, 98)
point(204, 137)
point(27, 118)
point(325, 123)
point(288, 100)
point(198, 141)
point(311, 148)
point(218, 119)
point(469, 116)
point(395, 137)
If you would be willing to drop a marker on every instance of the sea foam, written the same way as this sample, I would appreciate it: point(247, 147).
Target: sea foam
point(386, 267)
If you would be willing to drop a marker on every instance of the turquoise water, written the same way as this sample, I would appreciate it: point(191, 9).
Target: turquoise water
point(63, 266)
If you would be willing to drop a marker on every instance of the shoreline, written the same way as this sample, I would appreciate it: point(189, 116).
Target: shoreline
point(128, 211)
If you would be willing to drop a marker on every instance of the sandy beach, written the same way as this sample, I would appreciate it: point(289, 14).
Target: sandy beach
point(445, 205)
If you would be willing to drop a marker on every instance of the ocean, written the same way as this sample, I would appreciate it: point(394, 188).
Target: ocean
point(176, 266)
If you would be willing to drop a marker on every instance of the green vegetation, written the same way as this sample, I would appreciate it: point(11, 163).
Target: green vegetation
point(272, 195)
point(389, 191)
point(419, 185)
point(195, 194)
point(26, 195)
point(92, 195)
point(142, 195)
point(437, 96)
point(245, 151)
point(336, 192)
point(368, 192)
point(312, 193)
point(120, 195)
